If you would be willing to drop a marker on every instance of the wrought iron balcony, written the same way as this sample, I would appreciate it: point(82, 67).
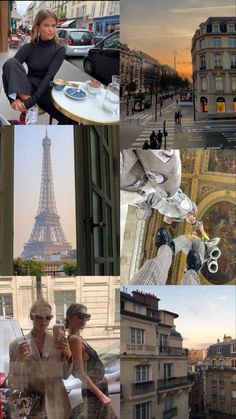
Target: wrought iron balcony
point(169, 350)
point(170, 413)
point(218, 67)
point(143, 387)
point(202, 67)
point(140, 347)
point(172, 382)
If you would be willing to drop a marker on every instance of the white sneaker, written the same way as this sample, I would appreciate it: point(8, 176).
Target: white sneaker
point(32, 116)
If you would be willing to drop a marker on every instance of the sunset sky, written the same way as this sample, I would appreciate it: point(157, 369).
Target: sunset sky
point(206, 312)
point(164, 28)
point(28, 168)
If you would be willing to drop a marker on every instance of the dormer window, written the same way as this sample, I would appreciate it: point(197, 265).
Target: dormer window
point(219, 350)
point(231, 28)
point(137, 308)
point(215, 28)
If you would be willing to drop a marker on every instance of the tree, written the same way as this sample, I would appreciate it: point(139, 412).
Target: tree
point(28, 267)
point(70, 269)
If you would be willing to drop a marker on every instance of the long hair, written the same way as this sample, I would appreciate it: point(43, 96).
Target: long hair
point(42, 15)
point(72, 310)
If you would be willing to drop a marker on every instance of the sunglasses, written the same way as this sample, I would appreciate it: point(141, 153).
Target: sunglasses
point(83, 316)
point(41, 317)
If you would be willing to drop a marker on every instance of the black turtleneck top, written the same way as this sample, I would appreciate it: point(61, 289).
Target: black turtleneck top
point(43, 59)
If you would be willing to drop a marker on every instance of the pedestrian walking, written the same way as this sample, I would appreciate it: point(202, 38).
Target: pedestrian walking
point(179, 116)
point(159, 138)
point(146, 145)
point(153, 141)
point(176, 117)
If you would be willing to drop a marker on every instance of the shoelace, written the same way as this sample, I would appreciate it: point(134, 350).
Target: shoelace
point(146, 206)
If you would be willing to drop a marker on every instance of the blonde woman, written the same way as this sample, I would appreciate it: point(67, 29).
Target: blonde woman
point(88, 367)
point(43, 56)
point(37, 364)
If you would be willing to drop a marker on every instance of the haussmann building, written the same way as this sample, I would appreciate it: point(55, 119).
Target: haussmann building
point(214, 67)
point(153, 362)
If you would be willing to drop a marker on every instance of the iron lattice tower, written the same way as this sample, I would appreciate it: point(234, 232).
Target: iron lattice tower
point(47, 237)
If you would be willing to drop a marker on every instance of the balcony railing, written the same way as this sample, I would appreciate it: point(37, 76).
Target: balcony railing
point(170, 413)
point(168, 350)
point(218, 67)
point(221, 368)
point(172, 382)
point(143, 387)
point(140, 347)
point(202, 67)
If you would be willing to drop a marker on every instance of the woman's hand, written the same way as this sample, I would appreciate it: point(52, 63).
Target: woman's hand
point(104, 399)
point(63, 346)
point(18, 105)
point(24, 351)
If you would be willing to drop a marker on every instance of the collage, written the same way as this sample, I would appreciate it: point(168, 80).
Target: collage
point(118, 248)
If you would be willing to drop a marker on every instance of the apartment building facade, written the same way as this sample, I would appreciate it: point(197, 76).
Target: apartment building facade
point(153, 362)
point(220, 379)
point(101, 295)
point(214, 66)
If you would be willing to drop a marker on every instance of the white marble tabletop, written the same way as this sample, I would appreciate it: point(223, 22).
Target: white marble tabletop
point(86, 111)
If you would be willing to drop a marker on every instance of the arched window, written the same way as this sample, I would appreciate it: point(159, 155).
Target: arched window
point(204, 104)
point(220, 104)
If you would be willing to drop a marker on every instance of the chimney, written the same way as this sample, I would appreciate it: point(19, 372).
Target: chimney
point(218, 340)
point(227, 338)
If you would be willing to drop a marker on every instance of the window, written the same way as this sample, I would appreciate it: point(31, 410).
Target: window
point(163, 343)
point(63, 299)
point(214, 363)
point(167, 371)
point(216, 42)
point(233, 363)
point(93, 8)
point(6, 306)
point(219, 350)
point(233, 62)
point(232, 42)
point(117, 305)
point(102, 8)
point(221, 363)
point(136, 336)
point(219, 88)
point(142, 373)
point(233, 347)
point(202, 62)
point(202, 43)
point(217, 61)
point(137, 308)
point(234, 394)
point(230, 28)
point(215, 28)
point(203, 84)
point(113, 41)
point(168, 401)
point(142, 411)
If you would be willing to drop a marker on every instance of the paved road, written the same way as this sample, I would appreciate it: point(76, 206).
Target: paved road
point(200, 134)
point(77, 61)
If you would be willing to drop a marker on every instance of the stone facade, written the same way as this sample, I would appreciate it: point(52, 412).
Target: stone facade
point(214, 66)
point(153, 362)
point(99, 294)
point(220, 379)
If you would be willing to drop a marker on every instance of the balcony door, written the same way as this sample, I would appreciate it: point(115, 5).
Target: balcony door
point(97, 191)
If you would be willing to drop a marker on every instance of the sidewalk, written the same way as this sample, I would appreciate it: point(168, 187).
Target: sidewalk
point(67, 71)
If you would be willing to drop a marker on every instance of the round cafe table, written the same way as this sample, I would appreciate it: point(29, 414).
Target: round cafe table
point(86, 111)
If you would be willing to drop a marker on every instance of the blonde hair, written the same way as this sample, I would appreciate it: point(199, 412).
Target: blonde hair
point(72, 310)
point(42, 15)
point(38, 304)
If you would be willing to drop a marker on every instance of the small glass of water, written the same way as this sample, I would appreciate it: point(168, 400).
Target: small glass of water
point(112, 100)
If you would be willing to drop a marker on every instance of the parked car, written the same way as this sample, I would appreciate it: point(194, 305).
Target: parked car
point(103, 61)
point(110, 357)
point(77, 42)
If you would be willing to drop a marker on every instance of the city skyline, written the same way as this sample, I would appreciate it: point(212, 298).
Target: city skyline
point(205, 313)
point(28, 168)
point(165, 31)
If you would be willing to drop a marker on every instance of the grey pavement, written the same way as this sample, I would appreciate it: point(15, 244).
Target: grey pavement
point(67, 71)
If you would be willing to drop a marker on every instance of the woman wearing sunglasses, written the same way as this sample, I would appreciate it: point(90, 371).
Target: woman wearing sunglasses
point(38, 364)
point(88, 367)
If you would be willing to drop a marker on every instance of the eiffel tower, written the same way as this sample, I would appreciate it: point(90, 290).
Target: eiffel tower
point(47, 237)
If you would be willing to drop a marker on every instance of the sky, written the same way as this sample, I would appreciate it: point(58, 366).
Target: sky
point(164, 28)
point(21, 6)
point(205, 312)
point(28, 167)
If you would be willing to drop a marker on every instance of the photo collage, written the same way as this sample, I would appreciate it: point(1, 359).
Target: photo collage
point(118, 248)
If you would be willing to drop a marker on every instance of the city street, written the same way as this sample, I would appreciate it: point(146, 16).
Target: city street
point(134, 130)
